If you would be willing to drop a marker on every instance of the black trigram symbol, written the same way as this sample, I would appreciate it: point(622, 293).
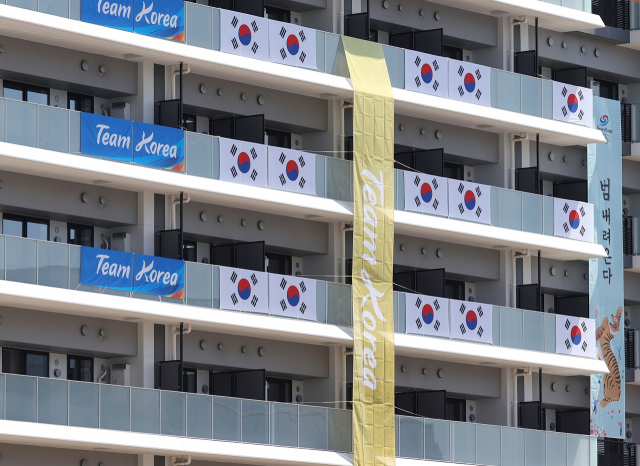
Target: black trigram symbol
point(436, 304)
point(567, 343)
point(418, 83)
point(254, 47)
point(303, 287)
point(583, 326)
point(564, 111)
point(417, 200)
point(234, 42)
point(233, 150)
point(254, 153)
point(582, 211)
point(254, 174)
point(478, 191)
point(460, 70)
point(416, 181)
point(460, 208)
point(565, 209)
point(254, 26)
point(582, 230)
point(417, 62)
point(301, 160)
point(566, 227)
point(461, 91)
point(283, 283)
point(436, 326)
point(418, 323)
point(283, 32)
point(478, 75)
point(234, 22)
point(234, 277)
point(434, 182)
point(463, 330)
point(480, 332)
point(460, 188)
point(584, 346)
point(303, 307)
point(580, 94)
point(567, 324)
point(462, 308)
point(283, 305)
point(478, 212)
point(283, 54)
point(254, 301)
point(435, 204)
point(283, 181)
point(234, 172)
point(234, 299)
point(302, 36)
point(283, 158)
point(303, 56)
point(480, 313)
point(254, 279)
point(478, 94)
point(418, 302)
point(436, 85)
point(302, 182)
point(580, 114)
point(435, 65)
point(564, 92)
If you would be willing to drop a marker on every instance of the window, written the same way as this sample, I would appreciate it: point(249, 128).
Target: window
point(279, 390)
point(23, 362)
point(278, 263)
point(455, 171)
point(80, 368)
point(456, 409)
point(189, 122)
point(190, 251)
point(277, 14)
point(25, 227)
point(80, 102)
point(453, 52)
point(278, 138)
point(80, 235)
point(26, 92)
point(608, 90)
point(454, 289)
point(190, 380)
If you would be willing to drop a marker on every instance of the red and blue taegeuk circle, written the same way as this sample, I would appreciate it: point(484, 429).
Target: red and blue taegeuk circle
point(426, 192)
point(574, 219)
point(292, 170)
point(572, 103)
point(293, 296)
point(470, 200)
point(427, 314)
point(244, 34)
point(244, 288)
point(293, 46)
point(469, 82)
point(576, 335)
point(472, 320)
point(427, 73)
point(244, 162)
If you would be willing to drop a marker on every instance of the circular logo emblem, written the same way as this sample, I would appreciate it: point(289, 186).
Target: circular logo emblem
point(472, 320)
point(572, 103)
point(244, 34)
point(604, 119)
point(427, 314)
point(244, 289)
point(292, 170)
point(576, 336)
point(244, 162)
point(574, 219)
point(293, 46)
point(425, 192)
point(469, 82)
point(293, 296)
point(470, 200)
point(427, 73)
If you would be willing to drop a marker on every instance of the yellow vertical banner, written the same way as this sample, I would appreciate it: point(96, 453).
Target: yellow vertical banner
point(372, 270)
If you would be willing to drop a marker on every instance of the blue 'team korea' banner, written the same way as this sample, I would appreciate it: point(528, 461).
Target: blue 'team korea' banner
point(159, 146)
point(106, 269)
point(164, 19)
point(606, 279)
point(106, 137)
point(159, 276)
point(115, 14)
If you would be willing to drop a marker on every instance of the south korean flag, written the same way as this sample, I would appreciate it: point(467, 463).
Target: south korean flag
point(575, 335)
point(243, 34)
point(243, 162)
point(426, 194)
point(292, 45)
point(573, 219)
point(426, 73)
point(244, 290)
point(470, 201)
point(292, 297)
point(469, 82)
point(471, 321)
point(427, 315)
point(572, 103)
point(292, 170)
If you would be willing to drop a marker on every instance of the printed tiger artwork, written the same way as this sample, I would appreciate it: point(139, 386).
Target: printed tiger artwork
point(611, 381)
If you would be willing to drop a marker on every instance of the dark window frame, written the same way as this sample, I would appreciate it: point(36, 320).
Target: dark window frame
point(78, 226)
point(23, 356)
point(78, 96)
point(26, 88)
point(26, 220)
point(80, 359)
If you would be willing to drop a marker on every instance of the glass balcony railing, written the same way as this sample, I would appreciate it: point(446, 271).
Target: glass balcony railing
point(129, 409)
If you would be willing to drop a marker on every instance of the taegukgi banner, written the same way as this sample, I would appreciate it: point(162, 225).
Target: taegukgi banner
point(106, 268)
point(163, 19)
point(116, 14)
point(159, 146)
point(106, 137)
point(158, 276)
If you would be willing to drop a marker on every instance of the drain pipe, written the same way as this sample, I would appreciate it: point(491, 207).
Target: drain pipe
point(175, 200)
point(175, 331)
point(175, 71)
point(516, 255)
point(182, 461)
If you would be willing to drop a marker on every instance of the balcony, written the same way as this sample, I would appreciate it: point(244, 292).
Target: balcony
point(219, 423)
point(53, 129)
point(518, 103)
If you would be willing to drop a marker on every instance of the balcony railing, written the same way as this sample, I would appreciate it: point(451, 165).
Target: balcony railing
point(129, 409)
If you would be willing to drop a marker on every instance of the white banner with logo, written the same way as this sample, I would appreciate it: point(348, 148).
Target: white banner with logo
point(292, 170)
point(243, 34)
point(426, 315)
point(243, 162)
point(244, 290)
point(573, 219)
point(469, 82)
point(292, 296)
point(471, 321)
point(572, 103)
point(292, 45)
point(426, 73)
point(425, 193)
point(470, 201)
point(575, 335)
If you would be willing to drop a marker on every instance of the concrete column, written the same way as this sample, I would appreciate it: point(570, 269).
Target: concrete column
point(528, 386)
point(143, 375)
point(327, 392)
point(143, 104)
point(146, 222)
point(145, 460)
point(500, 411)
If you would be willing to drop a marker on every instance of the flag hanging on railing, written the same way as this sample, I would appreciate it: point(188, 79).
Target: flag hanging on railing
point(292, 170)
point(572, 103)
point(243, 162)
point(470, 201)
point(244, 290)
point(291, 296)
point(425, 193)
point(573, 219)
point(471, 321)
point(426, 73)
point(243, 34)
point(469, 82)
point(292, 45)
point(427, 315)
point(575, 335)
